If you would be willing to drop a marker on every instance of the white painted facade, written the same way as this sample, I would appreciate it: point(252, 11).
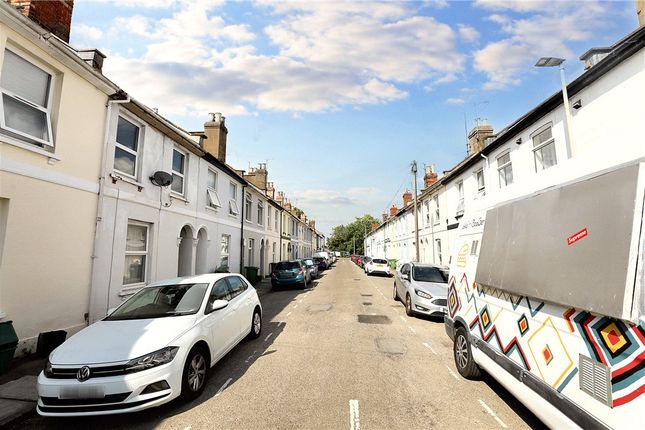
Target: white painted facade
point(606, 125)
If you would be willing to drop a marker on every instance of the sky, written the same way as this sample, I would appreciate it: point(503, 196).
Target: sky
point(338, 98)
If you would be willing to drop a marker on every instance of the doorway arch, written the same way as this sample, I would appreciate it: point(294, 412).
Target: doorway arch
point(185, 266)
point(201, 259)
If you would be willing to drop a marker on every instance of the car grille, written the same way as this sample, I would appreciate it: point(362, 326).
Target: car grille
point(440, 302)
point(89, 407)
point(95, 372)
point(110, 398)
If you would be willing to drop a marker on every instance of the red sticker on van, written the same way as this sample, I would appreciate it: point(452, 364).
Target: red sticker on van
point(576, 237)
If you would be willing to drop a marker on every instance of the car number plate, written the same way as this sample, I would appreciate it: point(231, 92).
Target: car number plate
point(91, 392)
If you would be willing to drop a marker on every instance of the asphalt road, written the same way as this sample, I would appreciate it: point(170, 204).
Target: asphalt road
point(316, 366)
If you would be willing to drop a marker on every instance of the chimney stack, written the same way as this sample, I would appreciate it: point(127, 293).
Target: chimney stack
point(270, 192)
point(594, 56)
point(407, 198)
point(280, 198)
point(640, 11)
point(374, 226)
point(430, 176)
point(258, 176)
point(477, 138)
point(393, 210)
point(216, 132)
point(384, 216)
point(54, 16)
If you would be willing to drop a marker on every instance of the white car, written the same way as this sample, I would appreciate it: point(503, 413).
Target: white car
point(377, 265)
point(156, 346)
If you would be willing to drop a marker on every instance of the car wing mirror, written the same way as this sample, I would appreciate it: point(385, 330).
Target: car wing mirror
point(408, 277)
point(217, 305)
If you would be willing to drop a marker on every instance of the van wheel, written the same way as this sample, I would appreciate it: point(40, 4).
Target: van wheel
point(195, 373)
point(463, 356)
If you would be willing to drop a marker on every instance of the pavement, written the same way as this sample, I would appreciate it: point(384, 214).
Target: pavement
point(18, 394)
point(339, 355)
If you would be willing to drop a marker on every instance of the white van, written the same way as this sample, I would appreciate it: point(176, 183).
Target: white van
point(547, 294)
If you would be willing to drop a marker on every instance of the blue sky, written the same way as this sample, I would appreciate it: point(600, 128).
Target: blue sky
point(339, 97)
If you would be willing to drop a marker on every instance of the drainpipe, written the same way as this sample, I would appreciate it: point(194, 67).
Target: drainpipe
point(100, 203)
point(242, 232)
point(280, 235)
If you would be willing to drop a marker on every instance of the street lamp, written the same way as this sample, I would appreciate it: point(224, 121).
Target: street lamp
point(568, 132)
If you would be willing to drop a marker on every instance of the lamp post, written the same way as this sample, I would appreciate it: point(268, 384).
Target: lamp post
point(568, 131)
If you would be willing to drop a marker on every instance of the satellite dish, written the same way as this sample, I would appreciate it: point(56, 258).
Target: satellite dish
point(161, 179)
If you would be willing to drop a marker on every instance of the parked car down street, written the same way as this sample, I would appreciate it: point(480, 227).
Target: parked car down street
point(312, 268)
point(158, 345)
point(288, 273)
point(377, 266)
point(423, 288)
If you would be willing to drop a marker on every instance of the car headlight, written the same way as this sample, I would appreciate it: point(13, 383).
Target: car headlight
point(423, 294)
point(154, 359)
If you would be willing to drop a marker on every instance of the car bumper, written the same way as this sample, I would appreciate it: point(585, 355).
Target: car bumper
point(434, 307)
point(108, 395)
point(379, 271)
point(288, 281)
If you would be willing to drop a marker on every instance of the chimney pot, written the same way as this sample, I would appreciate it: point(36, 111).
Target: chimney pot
point(393, 210)
point(407, 198)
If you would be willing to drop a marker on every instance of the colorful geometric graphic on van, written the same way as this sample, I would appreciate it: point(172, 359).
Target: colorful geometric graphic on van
point(523, 324)
point(453, 298)
point(550, 355)
point(618, 345)
point(508, 349)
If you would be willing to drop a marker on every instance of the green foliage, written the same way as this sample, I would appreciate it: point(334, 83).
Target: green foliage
point(343, 237)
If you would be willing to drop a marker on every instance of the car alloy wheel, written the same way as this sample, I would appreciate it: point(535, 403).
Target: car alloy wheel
point(256, 324)
point(408, 306)
point(195, 373)
point(395, 294)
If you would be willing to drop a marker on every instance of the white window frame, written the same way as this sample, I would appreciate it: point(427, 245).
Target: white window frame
point(180, 174)
point(212, 198)
point(126, 149)
point(438, 245)
point(259, 209)
point(228, 250)
point(428, 217)
point(251, 253)
point(46, 109)
point(501, 167)
point(247, 210)
point(437, 211)
point(144, 253)
point(550, 141)
point(480, 173)
point(276, 221)
point(460, 202)
point(233, 209)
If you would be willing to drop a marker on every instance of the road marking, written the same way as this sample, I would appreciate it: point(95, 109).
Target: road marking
point(295, 306)
point(412, 330)
point(354, 417)
point(427, 345)
point(250, 357)
point(493, 414)
point(268, 336)
point(223, 387)
point(403, 319)
point(289, 314)
point(454, 375)
point(300, 301)
point(280, 323)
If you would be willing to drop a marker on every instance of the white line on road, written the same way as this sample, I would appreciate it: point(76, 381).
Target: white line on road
point(300, 301)
point(223, 387)
point(280, 323)
point(250, 357)
point(268, 336)
point(354, 417)
point(295, 306)
point(412, 330)
point(403, 319)
point(289, 314)
point(427, 345)
point(454, 375)
point(493, 414)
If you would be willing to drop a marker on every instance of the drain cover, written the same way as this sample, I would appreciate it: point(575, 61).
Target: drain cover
point(319, 308)
point(374, 319)
point(390, 346)
point(366, 295)
point(357, 279)
point(367, 303)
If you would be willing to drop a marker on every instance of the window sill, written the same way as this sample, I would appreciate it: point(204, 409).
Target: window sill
point(131, 289)
point(176, 196)
point(214, 209)
point(53, 158)
point(232, 215)
point(117, 177)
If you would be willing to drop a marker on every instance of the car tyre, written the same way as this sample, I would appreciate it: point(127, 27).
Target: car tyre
point(395, 294)
point(463, 356)
point(195, 373)
point(408, 306)
point(256, 324)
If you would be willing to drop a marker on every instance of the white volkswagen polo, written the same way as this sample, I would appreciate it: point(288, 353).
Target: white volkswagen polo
point(156, 346)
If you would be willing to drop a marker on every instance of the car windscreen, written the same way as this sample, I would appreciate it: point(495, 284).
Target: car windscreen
point(429, 274)
point(318, 259)
point(287, 265)
point(162, 301)
point(379, 261)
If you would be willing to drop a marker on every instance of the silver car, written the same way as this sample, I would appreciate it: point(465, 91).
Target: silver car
point(312, 268)
point(423, 288)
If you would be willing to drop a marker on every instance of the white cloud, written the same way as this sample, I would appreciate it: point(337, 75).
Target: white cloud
point(455, 101)
point(328, 57)
point(86, 33)
point(468, 33)
point(547, 31)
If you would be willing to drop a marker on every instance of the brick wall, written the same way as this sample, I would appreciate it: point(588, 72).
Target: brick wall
point(54, 16)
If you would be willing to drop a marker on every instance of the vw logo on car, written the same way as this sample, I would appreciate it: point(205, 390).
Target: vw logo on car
point(83, 374)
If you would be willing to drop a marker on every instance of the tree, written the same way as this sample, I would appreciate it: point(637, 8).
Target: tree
point(343, 237)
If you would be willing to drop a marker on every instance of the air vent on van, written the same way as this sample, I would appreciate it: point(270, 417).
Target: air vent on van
point(595, 380)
